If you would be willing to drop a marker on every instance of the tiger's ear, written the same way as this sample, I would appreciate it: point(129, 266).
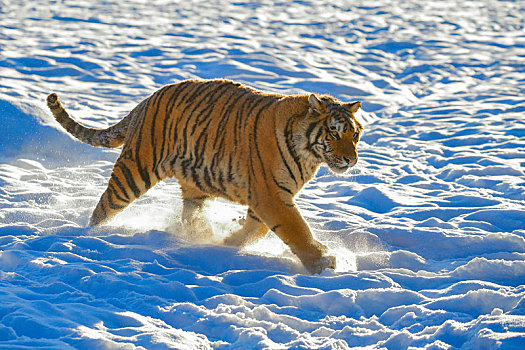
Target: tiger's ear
point(316, 104)
point(354, 106)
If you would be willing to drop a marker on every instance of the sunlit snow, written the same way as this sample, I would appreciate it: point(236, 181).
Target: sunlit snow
point(428, 228)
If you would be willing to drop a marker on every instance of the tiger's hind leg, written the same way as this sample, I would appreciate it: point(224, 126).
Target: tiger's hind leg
point(193, 221)
point(252, 230)
point(127, 182)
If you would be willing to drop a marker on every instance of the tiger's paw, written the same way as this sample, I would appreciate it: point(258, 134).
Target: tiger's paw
point(319, 265)
point(234, 241)
point(198, 229)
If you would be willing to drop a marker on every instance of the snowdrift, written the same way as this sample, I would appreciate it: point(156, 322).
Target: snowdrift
point(428, 229)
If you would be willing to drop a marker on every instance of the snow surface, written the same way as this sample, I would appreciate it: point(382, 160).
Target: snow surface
point(428, 229)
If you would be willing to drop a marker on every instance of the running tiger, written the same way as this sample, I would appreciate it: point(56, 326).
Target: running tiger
point(223, 139)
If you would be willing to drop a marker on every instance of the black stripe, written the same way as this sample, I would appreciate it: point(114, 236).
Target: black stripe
point(275, 227)
point(196, 179)
point(208, 180)
point(129, 179)
point(230, 168)
point(243, 114)
point(195, 84)
point(220, 179)
point(253, 216)
point(144, 174)
point(114, 206)
point(184, 165)
point(200, 146)
point(252, 171)
point(221, 135)
point(184, 99)
point(212, 101)
point(159, 96)
point(215, 159)
point(225, 116)
point(158, 100)
point(175, 126)
point(281, 186)
point(316, 142)
point(201, 102)
point(120, 186)
point(284, 159)
point(200, 149)
point(255, 134)
point(194, 167)
point(104, 209)
point(177, 90)
point(199, 91)
point(111, 186)
point(140, 131)
point(167, 136)
point(288, 134)
point(309, 131)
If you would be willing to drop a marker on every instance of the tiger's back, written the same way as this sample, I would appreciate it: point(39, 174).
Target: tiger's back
point(210, 135)
point(219, 139)
point(199, 132)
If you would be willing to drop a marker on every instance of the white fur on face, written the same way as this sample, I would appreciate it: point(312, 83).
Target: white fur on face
point(338, 126)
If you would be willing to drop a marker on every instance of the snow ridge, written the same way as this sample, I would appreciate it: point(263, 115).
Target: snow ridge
point(428, 229)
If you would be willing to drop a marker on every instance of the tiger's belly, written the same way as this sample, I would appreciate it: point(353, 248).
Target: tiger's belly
point(217, 179)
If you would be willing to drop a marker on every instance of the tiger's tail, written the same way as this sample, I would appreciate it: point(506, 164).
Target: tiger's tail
point(111, 137)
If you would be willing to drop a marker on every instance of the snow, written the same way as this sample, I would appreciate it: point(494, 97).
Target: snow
point(428, 228)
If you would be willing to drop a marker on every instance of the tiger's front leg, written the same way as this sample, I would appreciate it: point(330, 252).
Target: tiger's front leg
point(284, 219)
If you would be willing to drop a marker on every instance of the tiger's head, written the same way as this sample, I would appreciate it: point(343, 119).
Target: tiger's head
point(337, 132)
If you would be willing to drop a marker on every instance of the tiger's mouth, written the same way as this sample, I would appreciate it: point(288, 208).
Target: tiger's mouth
point(339, 166)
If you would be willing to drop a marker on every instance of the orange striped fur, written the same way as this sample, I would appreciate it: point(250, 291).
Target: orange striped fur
point(223, 139)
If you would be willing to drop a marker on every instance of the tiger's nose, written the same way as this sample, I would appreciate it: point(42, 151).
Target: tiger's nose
point(350, 160)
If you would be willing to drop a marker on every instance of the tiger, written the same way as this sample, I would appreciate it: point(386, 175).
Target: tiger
point(221, 138)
